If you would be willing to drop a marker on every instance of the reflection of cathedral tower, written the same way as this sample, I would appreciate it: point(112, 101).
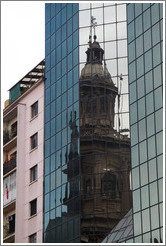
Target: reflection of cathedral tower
point(104, 153)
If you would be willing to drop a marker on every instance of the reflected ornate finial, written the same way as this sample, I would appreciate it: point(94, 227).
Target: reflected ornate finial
point(92, 25)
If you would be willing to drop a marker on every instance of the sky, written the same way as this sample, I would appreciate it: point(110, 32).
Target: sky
point(22, 41)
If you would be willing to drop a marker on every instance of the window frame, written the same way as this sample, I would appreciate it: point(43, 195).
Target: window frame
point(34, 109)
point(35, 144)
point(33, 173)
point(32, 237)
point(33, 203)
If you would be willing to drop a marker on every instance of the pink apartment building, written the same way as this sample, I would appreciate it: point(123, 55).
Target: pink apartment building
point(23, 122)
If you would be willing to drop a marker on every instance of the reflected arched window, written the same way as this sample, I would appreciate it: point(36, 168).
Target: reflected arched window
point(108, 185)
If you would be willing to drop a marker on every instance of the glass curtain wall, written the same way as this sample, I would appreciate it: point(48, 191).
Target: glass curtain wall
point(145, 40)
point(62, 180)
point(104, 119)
point(87, 138)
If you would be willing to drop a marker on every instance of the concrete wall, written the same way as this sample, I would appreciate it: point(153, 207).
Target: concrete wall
point(26, 192)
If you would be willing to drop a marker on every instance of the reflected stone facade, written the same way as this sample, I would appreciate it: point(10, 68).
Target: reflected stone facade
point(104, 153)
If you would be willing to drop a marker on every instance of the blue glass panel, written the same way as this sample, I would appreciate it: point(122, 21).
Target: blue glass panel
point(47, 166)
point(76, 92)
point(75, 57)
point(132, 72)
point(138, 9)
point(69, 10)
point(47, 14)
point(159, 120)
point(58, 21)
point(53, 58)
point(75, 22)
point(63, 15)
point(52, 195)
point(53, 109)
point(75, 75)
point(156, 34)
point(47, 30)
point(148, 61)
point(151, 147)
point(156, 55)
point(141, 108)
point(58, 7)
point(146, 6)
point(53, 162)
point(64, 67)
point(46, 185)
point(52, 10)
point(134, 156)
point(64, 119)
point(58, 54)
point(53, 42)
point(47, 202)
point(58, 158)
point(64, 137)
point(63, 32)
point(69, 44)
point(75, 8)
point(58, 105)
point(150, 125)
point(64, 50)
point(136, 201)
point(157, 76)
point(70, 97)
point(139, 46)
point(146, 19)
point(47, 113)
point(158, 98)
point(52, 26)
point(47, 47)
point(58, 88)
point(47, 96)
point(69, 62)
point(69, 27)
point(53, 127)
point(142, 130)
point(58, 141)
point(131, 51)
point(144, 176)
point(159, 139)
point(140, 87)
point(131, 34)
point(69, 80)
point(58, 177)
point(53, 144)
point(47, 130)
point(58, 71)
point(58, 37)
point(130, 12)
point(58, 196)
point(133, 113)
point(149, 82)
point(149, 103)
point(146, 220)
point(132, 92)
point(47, 148)
point(58, 123)
point(53, 92)
point(140, 66)
point(53, 75)
point(134, 134)
point(143, 151)
point(135, 178)
point(64, 84)
point(47, 66)
point(155, 13)
point(152, 170)
point(147, 40)
point(138, 25)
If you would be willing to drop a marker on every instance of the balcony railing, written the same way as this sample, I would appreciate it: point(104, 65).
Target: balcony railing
point(10, 165)
point(9, 135)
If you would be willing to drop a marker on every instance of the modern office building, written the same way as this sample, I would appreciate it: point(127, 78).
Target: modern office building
point(23, 137)
point(145, 46)
point(87, 140)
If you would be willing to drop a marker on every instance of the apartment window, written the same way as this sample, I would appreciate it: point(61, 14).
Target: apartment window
point(34, 109)
point(33, 207)
point(33, 238)
point(34, 141)
point(33, 174)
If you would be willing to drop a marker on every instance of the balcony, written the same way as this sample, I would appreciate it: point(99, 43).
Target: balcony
point(9, 139)
point(9, 166)
point(9, 229)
